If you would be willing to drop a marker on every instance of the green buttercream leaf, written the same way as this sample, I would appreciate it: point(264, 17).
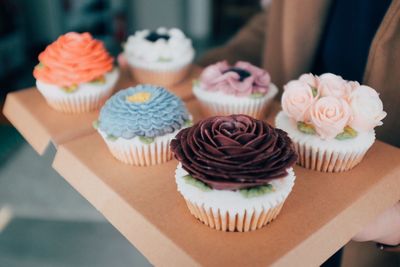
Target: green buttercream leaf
point(146, 140)
point(348, 133)
point(199, 184)
point(163, 59)
point(39, 65)
point(95, 124)
point(70, 89)
point(99, 80)
point(314, 91)
point(111, 137)
point(257, 191)
point(256, 95)
point(196, 83)
point(305, 128)
point(188, 123)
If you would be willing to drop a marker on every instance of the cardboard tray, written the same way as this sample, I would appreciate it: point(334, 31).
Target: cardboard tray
point(40, 125)
point(320, 216)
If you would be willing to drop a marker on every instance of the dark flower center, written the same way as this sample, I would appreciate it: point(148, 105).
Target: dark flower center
point(243, 74)
point(154, 36)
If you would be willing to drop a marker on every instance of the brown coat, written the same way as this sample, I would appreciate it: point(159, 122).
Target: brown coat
point(284, 40)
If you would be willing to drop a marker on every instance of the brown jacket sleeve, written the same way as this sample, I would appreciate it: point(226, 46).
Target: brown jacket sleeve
point(246, 45)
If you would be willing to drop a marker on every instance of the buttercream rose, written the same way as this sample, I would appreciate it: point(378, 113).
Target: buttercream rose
point(367, 108)
point(329, 115)
point(297, 99)
point(242, 79)
point(333, 85)
point(310, 79)
point(72, 59)
point(234, 152)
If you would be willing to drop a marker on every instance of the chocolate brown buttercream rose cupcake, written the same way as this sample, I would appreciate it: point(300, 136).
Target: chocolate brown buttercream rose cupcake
point(231, 166)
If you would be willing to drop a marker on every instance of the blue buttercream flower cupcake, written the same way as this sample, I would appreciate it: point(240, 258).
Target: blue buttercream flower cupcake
point(139, 122)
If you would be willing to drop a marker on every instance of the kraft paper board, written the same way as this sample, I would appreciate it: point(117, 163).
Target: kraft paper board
point(321, 214)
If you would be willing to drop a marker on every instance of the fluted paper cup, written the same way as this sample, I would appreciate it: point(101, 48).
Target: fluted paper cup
point(218, 103)
point(165, 78)
point(230, 211)
point(86, 98)
point(326, 155)
point(141, 151)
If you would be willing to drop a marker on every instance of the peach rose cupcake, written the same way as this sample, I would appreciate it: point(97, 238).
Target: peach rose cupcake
point(330, 120)
point(240, 89)
point(75, 73)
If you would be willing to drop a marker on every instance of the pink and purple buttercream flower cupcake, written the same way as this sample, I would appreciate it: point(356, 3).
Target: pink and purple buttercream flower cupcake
point(239, 89)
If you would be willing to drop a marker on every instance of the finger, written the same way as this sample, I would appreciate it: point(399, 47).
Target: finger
point(385, 228)
point(123, 64)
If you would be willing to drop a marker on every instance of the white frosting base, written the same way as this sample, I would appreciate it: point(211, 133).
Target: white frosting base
point(55, 92)
point(360, 143)
point(232, 201)
point(141, 53)
point(135, 141)
point(219, 97)
point(219, 103)
point(134, 152)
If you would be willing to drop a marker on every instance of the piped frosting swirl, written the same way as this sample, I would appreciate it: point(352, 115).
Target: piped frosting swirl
point(74, 58)
point(144, 110)
point(234, 152)
point(241, 79)
point(162, 49)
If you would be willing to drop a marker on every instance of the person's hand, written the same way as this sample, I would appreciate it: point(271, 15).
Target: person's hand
point(124, 69)
point(123, 64)
point(384, 229)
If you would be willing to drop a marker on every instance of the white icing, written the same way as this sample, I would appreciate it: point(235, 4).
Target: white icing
point(233, 201)
point(219, 97)
point(133, 151)
point(219, 103)
point(176, 52)
point(361, 142)
point(135, 141)
point(84, 89)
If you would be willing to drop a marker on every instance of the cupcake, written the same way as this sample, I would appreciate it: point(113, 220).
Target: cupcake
point(161, 57)
point(138, 124)
point(75, 73)
point(240, 89)
point(234, 172)
point(330, 120)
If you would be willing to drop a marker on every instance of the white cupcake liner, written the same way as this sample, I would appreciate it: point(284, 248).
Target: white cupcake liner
point(325, 155)
point(161, 78)
point(134, 152)
point(248, 221)
point(227, 210)
point(219, 103)
point(87, 97)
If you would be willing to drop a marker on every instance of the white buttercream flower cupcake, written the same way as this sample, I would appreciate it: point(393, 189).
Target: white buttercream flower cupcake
point(138, 123)
point(239, 89)
point(330, 120)
point(235, 172)
point(162, 57)
point(75, 73)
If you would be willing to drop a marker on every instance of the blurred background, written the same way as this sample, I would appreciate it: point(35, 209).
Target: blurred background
point(27, 27)
point(43, 221)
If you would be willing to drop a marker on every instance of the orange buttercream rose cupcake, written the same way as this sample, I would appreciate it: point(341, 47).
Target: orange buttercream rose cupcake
point(75, 73)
